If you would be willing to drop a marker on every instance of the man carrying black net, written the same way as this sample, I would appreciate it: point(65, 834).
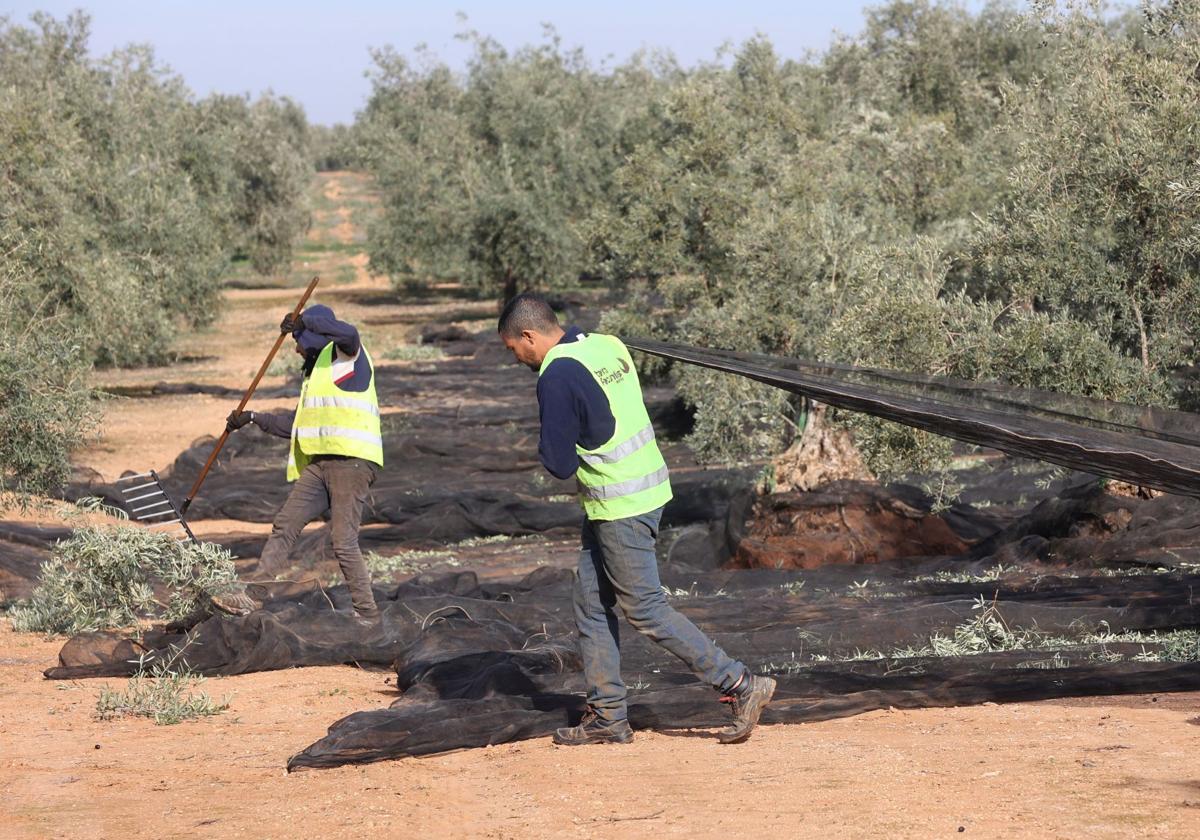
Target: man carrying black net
point(594, 425)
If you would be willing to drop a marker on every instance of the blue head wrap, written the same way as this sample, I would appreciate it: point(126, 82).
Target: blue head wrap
point(310, 342)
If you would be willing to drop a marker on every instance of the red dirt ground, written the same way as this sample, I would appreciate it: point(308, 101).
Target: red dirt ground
point(1098, 768)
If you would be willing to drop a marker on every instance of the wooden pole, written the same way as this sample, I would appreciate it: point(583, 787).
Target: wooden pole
point(245, 399)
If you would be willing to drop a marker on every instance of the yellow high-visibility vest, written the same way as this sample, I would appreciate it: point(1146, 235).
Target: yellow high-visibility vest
point(330, 421)
point(626, 475)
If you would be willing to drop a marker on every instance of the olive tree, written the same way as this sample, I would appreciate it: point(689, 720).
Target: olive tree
point(124, 201)
point(487, 177)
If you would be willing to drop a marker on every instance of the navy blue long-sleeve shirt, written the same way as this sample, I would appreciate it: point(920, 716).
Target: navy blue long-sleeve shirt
point(320, 328)
point(344, 335)
point(573, 410)
point(278, 423)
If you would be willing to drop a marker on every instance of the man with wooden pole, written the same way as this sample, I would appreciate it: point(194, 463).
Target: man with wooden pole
point(335, 453)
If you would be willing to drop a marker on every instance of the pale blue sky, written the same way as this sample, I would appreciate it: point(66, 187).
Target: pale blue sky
point(317, 52)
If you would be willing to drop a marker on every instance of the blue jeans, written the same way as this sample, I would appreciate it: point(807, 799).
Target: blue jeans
point(617, 567)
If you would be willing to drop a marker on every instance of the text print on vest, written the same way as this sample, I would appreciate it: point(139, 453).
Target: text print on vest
point(607, 378)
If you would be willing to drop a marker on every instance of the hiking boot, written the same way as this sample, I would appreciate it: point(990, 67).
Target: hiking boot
point(235, 601)
point(594, 730)
point(748, 702)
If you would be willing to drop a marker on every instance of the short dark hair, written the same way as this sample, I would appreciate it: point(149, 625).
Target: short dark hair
point(527, 311)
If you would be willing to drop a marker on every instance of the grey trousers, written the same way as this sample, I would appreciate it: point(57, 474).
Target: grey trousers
point(618, 570)
point(340, 486)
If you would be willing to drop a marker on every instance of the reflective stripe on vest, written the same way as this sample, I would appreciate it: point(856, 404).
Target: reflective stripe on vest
point(330, 421)
point(622, 449)
point(341, 402)
point(339, 431)
point(626, 488)
point(626, 475)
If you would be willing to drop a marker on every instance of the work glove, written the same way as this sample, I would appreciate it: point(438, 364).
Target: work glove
point(291, 323)
point(237, 419)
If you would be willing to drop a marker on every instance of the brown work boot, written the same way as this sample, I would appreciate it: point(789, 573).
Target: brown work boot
point(369, 620)
point(594, 730)
point(234, 600)
point(748, 701)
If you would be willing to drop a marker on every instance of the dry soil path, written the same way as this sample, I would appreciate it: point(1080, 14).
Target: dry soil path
point(1104, 768)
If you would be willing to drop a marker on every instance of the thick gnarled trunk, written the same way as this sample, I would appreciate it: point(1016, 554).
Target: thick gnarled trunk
point(824, 453)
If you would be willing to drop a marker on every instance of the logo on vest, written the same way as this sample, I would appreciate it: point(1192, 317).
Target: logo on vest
point(607, 377)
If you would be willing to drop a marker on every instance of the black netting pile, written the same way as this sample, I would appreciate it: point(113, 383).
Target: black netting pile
point(1153, 447)
point(23, 550)
point(1087, 594)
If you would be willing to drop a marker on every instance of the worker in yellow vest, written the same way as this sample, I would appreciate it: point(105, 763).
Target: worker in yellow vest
point(594, 425)
point(335, 453)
